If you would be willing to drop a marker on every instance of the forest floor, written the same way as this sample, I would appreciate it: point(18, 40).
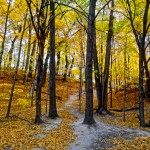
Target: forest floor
point(18, 132)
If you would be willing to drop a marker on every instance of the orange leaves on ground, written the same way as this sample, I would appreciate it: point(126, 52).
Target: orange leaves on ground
point(18, 131)
point(138, 143)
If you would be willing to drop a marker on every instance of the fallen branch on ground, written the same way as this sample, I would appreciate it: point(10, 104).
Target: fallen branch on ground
point(121, 110)
point(14, 116)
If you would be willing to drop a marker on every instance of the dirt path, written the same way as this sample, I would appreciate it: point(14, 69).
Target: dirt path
point(97, 136)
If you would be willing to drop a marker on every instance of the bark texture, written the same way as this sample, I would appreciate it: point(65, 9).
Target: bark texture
point(52, 107)
point(89, 119)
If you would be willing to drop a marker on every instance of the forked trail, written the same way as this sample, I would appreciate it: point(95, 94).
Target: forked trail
point(98, 136)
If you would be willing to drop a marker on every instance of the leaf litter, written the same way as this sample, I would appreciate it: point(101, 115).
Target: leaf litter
point(66, 132)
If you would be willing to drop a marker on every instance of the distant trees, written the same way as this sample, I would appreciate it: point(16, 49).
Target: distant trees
point(5, 31)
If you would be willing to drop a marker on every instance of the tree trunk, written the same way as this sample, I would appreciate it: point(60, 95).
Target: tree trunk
point(147, 75)
point(66, 68)
point(71, 66)
point(107, 59)
point(45, 67)
point(16, 70)
point(38, 119)
point(24, 58)
point(141, 42)
point(40, 29)
point(52, 107)
point(11, 51)
point(89, 119)
point(58, 62)
point(31, 60)
point(141, 90)
point(41, 44)
point(28, 54)
point(97, 77)
point(141, 45)
point(12, 47)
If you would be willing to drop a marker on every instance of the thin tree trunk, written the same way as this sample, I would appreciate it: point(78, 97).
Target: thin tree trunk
point(45, 67)
point(24, 58)
point(82, 64)
point(71, 66)
point(66, 68)
point(107, 59)
point(16, 70)
point(12, 48)
point(58, 62)
point(89, 119)
point(147, 75)
point(97, 77)
point(52, 107)
point(110, 84)
point(28, 54)
point(125, 77)
point(31, 60)
point(11, 51)
point(80, 90)
point(33, 85)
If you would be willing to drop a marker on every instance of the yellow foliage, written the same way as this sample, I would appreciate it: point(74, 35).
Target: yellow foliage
point(6, 84)
point(75, 71)
point(24, 103)
point(16, 91)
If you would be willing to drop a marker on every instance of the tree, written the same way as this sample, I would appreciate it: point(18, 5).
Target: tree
point(107, 58)
point(97, 78)
point(45, 66)
point(16, 69)
point(89, 119)
point(40, 28)
point(52, 87)
point(12, 47)
point(31, 59)
point(140, 38)
point(28, 53)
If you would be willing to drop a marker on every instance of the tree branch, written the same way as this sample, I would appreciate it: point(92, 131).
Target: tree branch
point(101, 9)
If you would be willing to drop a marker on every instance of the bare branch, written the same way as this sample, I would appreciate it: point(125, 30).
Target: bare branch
point(32, 18)
point(102, 9)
